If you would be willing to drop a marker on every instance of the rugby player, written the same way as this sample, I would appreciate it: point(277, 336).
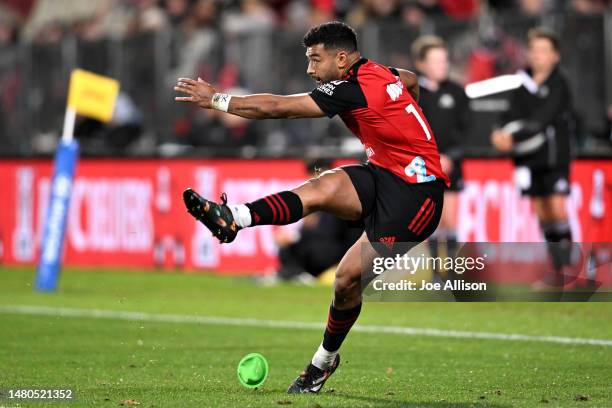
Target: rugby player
point(397, 194)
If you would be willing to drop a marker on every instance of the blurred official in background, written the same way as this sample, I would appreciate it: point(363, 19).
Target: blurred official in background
point(446, 105)
point(537, 131)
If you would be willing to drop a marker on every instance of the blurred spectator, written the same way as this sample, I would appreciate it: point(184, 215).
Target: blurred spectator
point(590, 6)
point(23, 7)
point(50, 17)
point(497, 54)
point(194, 41)
point(412, 14)
point(416, 13)
point(459, 9)
point(533, 7)
point(502, 5)
point(238, 43)
point(253, 16)
point(249, 43)
point(8, 28)
point(373, 11)
point(177, 10)
point(149, 17)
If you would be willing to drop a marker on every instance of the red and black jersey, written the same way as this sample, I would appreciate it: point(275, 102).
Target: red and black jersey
point(376, 106)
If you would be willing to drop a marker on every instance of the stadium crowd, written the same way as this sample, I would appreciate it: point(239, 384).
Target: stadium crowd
point(232, 43)
point(47, 21)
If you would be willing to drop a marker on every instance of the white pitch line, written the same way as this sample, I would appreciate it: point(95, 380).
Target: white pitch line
point(284, 324)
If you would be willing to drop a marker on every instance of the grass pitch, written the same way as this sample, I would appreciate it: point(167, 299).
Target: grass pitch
point(113, 361)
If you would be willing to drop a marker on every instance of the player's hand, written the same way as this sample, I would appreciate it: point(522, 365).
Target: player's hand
point(446, 163)
point(198, 92)
point(502, 140)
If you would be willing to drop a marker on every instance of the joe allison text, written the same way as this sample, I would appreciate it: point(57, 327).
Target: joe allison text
point(424, 285)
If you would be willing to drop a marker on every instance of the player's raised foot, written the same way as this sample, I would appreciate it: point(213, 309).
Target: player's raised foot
point(216, 217)
point(312, 378)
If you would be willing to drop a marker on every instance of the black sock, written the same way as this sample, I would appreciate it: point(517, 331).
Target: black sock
point(559, 238)
point(432, 244)
point(451, 243)
point(451, 250)
point(339, 323)
point(276, 209)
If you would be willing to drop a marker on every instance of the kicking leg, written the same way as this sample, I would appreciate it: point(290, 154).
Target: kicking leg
point(343, 313)
point(332, 191)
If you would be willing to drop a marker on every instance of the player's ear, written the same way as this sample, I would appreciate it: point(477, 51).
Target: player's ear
point(341, 59)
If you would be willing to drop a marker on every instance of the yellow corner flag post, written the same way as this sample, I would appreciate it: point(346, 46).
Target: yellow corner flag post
point(89, 95)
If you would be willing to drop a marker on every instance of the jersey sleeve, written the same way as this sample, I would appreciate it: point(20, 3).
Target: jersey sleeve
point(336, 97)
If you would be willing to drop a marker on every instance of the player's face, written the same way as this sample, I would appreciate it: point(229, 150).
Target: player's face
point(435, 64)
point(541, 55)
point(325, 65)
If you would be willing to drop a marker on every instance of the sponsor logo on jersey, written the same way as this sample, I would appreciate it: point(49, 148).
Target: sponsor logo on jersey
point(395, 90)
point(418, 168)
point(369, 151)
point(329, 87)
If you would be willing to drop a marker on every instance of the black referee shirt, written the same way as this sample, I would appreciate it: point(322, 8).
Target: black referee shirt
point(447, 111)
point(541, 122)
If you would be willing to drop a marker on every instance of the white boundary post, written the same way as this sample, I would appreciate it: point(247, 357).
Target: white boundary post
point(69, 121)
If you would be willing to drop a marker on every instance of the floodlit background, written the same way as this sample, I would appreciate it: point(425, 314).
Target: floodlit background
point(254, 46)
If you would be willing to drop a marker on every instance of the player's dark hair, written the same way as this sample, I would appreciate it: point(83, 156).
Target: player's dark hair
point(333, 35)
point(545, 33)
point(422, 45)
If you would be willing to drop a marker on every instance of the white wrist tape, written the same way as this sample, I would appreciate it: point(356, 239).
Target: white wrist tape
point(220, 101)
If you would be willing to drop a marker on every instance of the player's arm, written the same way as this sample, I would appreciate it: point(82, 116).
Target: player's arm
point(258, 106)
point(410, 81)
point(268, 106)
point(544, 114)
point(525, 134)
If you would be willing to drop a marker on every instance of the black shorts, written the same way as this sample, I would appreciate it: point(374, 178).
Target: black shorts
point(542, 182)
point(393, 210)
